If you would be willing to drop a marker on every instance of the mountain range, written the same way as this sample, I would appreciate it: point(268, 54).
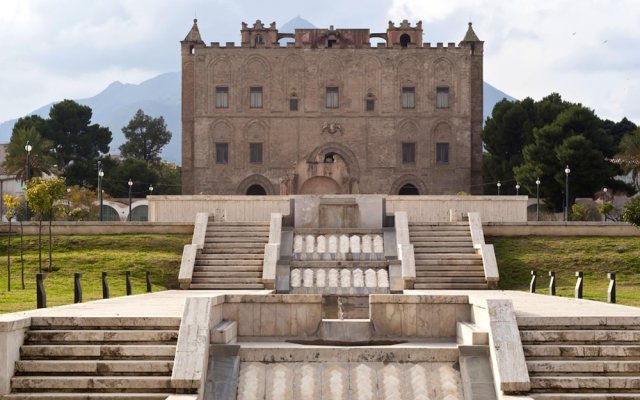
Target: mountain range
point(160, 96)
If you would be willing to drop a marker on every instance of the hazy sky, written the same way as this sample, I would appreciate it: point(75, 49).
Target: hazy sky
point(587, 50)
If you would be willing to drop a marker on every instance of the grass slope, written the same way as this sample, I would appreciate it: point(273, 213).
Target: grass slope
point(595, 256)
point(90, 255)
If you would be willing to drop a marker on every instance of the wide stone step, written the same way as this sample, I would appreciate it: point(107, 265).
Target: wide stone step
point(450, 286)
point(200, 278)
point(104, 323)
point(419, 241)
point(119, 336)
point(469, 262)
point(448, 256)
point(432, 274)
point(584, 396)
point(462, 243)
point(105, 352)
point(446, 250)
point(586, 383)
point(444, 227)
point(222, 275)
point(93, 367)
point(87, 396)
point(581, 367)
point(235, 245)
point(231, 250)
point(217, 286)
point(580, 336)
point(433, 233)
point(234, 268)
point(451, 279)
point(581, 351)
point(92, 383)
point(233, 240)
point(239, 256)
point(224, 263)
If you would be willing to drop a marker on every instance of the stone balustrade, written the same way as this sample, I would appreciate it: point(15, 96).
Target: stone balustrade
point(340, 280)
point(334, 247)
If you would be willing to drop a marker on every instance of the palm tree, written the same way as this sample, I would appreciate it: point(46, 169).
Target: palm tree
point(629, 156)
point(41, 160)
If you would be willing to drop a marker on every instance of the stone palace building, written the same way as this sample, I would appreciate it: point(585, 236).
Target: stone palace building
point(325, 111)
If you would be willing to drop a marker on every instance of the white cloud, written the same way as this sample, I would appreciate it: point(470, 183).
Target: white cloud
point(584, 50)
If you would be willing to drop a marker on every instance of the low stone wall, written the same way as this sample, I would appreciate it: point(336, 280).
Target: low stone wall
point(436, 208)
point(236, 208)
point(425, 316)
point(290, 315)
point(561, 229)
point(100, 228)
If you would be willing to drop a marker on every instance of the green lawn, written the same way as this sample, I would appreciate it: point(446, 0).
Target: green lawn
point(595, 256)
point(90, 255)
point(160, 254)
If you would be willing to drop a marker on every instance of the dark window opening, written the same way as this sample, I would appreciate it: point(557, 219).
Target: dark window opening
point(409, 190)
point(442, 153)
point(442, 97)
point(192, 50)
point(293, 104)
point(255, 153)
point(258, 40)
point(333, 97)
point(255, 97)
point(370, 104)
point(331, 42)
point(256, 190)
point(222, 97)
point(329, 158)
point(408, 153)
point(408, 97)
point(405, 39)
point(222, 153)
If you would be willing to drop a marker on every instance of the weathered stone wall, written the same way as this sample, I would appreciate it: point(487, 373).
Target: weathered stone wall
point(295, 142)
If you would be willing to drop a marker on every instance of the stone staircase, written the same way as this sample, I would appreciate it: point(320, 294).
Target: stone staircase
point(232, 256)
point(583, 362)
point(96, 358)
point(445, 257)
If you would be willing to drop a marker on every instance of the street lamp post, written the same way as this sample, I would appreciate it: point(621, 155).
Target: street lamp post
point(567, 171)
point(130, 183)
point(28, 149)
point(538, 199)
point(498, 185)
point(517, 189)
point(68, 202)
point(100, 176)
point(150, 190)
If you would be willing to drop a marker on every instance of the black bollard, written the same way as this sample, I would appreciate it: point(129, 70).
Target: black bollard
point(41, 294)
point(552, 283)
point(127, 277)
point(532, 285)
point(77, 288)
point(148, 282)
point(579, 280)
point(105, 286)
point(611, 292)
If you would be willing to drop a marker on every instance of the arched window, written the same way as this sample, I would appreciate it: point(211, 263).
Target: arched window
point(409, 189)
point(140, 213)
point(256, 190)
point(329, 158)
point(405, 39)
point(258, 40)
point(109, 213)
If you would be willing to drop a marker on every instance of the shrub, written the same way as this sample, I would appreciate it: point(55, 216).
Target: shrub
point(579, 212)
point(631, 211)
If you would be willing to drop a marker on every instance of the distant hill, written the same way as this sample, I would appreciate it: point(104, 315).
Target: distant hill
point(116, 105)
point(160, 96)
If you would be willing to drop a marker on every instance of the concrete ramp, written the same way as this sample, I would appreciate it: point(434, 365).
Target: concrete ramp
point(349, 381)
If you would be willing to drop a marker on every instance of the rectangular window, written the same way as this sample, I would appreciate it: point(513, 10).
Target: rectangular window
point(222, 153)
point(333, 97)
point(442, 153)
point(371, 104)
point(255, 97)
point(408, 97)
point(442, 97)
point(255, 153)
point(222, 97)
point(293, 104)
point(408, 153)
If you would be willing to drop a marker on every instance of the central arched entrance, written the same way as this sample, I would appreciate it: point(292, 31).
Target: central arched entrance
point(409, 189)
point(320, 185)
point(256, 190)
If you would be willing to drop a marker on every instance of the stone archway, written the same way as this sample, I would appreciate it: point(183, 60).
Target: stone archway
point(409, 189)
point(408, 185)
point(320, 185)
point(255, 182)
